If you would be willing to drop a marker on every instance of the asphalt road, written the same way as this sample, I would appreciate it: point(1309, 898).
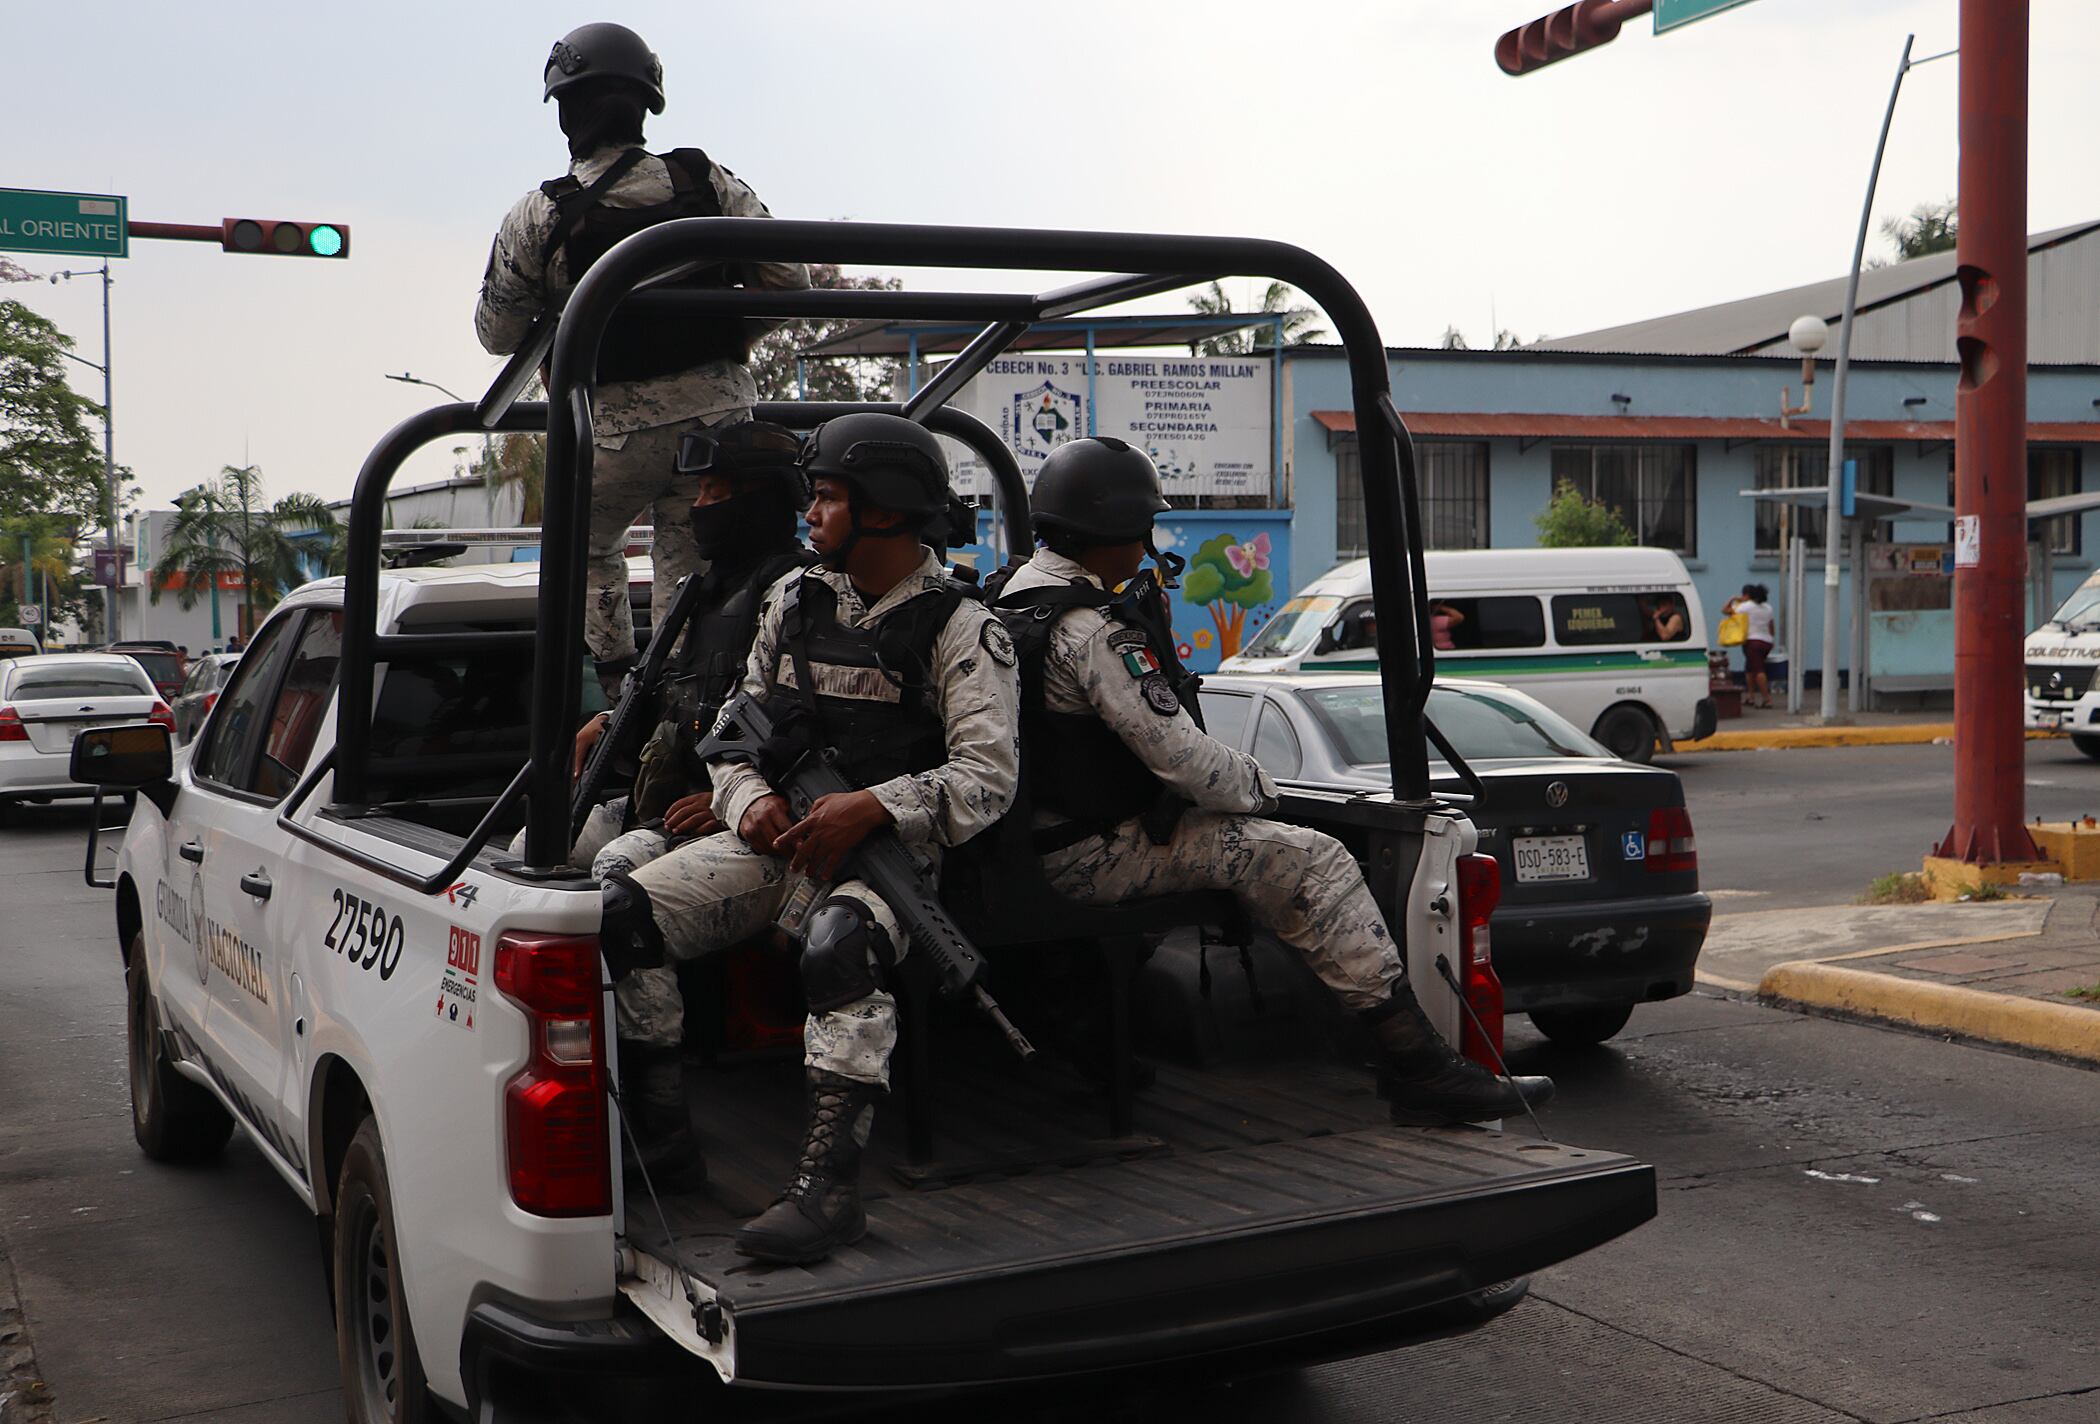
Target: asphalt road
point(1855, 1224)
point(1779, 829)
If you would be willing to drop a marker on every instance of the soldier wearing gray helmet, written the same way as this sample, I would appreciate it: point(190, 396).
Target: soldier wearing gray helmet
point(1133, 799)
point(910, 681)
point(656, 380)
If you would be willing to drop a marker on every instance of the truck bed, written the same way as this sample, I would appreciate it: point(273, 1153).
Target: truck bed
point(1270, 1205)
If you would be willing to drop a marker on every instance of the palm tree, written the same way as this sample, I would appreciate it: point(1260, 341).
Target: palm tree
point(1277, 299)
point(223, 527)
point(49, 545)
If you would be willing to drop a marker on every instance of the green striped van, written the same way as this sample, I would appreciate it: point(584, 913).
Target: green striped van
point(1612, 639)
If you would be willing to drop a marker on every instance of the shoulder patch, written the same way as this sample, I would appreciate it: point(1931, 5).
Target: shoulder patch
point(1126, 640)
point(998, 642)
point(1158, 695)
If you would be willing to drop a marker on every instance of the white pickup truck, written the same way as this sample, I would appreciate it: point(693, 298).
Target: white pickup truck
point(414, 1028)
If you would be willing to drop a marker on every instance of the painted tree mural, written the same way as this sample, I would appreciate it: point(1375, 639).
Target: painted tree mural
point(1226, 578)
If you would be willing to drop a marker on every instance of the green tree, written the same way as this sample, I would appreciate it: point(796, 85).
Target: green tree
point(847, 379)
point(1277, 299)
point(1225, 579)
point(50, 461)
point(1927, 228)
point(1570, 520)
point(49, 542)
point(224, 527)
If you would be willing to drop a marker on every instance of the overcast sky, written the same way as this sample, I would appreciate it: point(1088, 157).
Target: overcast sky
point(1656, 174)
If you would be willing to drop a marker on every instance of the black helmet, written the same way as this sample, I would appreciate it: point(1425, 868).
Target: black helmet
point(751, 453)
point(1101, 489)
point(892, 463)
point(604, 51)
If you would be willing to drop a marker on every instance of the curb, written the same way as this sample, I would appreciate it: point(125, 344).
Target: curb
point(2044, 1027)
point(1907, 734)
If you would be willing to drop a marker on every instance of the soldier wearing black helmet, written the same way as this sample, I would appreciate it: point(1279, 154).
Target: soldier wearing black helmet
point(1132, 798)
point(911, 681)
point(656, 380)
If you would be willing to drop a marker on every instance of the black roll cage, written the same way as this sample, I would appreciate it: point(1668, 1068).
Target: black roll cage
point(639, 273)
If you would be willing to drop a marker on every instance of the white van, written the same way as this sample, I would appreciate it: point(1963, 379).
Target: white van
point(1612, 639)
point(2061, 656)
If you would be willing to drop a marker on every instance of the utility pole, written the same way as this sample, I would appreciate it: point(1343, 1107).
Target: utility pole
point(1990, 440)
point(109, 451)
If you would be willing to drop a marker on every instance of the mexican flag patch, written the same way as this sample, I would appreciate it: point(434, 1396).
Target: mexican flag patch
point(1141, 662)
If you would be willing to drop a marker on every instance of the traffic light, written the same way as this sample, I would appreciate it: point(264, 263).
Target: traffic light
point(274, 238)
point(1571, 30)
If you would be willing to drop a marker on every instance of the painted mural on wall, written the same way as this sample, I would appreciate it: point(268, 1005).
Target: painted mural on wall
point(1238, 575)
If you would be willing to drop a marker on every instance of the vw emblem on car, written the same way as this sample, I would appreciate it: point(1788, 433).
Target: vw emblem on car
point(1557, 794)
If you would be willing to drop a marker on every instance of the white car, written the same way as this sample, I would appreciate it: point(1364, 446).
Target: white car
point(47, 699)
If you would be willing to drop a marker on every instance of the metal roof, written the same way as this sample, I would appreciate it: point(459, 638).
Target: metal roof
point(1479, 426)
point(936, 338)
point(1740, 327)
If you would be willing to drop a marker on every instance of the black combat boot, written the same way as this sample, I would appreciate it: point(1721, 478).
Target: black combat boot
point(821, 1208)
point(652, 1099)
point(1427, 1084)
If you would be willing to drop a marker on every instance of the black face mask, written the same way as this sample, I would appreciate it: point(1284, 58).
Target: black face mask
point(745, 526)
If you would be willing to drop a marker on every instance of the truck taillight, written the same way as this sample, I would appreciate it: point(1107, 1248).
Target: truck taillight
point(1479, 892)
point(11, 728)
point(556, 1135)
point(1670, 842)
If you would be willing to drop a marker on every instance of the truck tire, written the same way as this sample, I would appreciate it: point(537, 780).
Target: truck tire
point(375, 1346)
point(1582, 1027)
point(174, 1119)
point(1628, 733)
point(2089, 745)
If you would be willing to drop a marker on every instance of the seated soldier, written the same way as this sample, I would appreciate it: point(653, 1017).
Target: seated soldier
point(1107, 719)
point(744, 515)
point(911, 682)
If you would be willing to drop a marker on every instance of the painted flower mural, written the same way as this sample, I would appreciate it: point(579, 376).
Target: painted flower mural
point(1226, 578)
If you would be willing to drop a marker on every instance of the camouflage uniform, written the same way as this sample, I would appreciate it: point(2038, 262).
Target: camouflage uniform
point(713, 892)
point(1297, 883)
point(635, 425)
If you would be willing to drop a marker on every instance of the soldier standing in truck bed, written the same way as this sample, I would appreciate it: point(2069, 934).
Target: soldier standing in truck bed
point(656, 380)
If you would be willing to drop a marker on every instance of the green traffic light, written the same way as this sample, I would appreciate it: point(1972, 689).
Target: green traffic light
point(325, 241)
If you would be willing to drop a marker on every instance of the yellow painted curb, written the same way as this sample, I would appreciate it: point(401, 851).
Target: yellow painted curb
point(1907, 734)
point(1947, 1008)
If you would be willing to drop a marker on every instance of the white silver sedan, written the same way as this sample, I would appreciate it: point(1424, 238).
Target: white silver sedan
point(46, 700)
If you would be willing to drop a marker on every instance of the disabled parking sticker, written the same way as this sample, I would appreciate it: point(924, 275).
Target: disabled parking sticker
point(1634, 845)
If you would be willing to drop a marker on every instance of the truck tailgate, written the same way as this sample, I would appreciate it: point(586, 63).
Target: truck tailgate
point(1265, 1208)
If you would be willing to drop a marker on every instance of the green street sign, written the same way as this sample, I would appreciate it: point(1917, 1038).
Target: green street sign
point(71, 224)
point(1669, 14)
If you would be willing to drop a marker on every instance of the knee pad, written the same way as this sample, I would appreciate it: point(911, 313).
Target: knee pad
point(627, 932)
point(841, 945)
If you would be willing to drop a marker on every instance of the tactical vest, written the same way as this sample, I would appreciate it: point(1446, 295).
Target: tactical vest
point(1072, 764)
point(869, 690)
point(717, 648)
point(638, 347)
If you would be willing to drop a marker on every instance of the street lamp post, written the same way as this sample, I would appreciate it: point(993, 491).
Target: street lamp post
point(1833, 515)
point(488, 441)
point(109, 448)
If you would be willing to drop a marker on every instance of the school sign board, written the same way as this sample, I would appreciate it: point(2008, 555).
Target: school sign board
point(1205, 420)
point(68, 224)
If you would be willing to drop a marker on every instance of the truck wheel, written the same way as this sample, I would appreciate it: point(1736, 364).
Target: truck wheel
point(2089, 745)
point(374, 1346)
point(1627, 732)
point(174, 1119)
point(1583, 1027)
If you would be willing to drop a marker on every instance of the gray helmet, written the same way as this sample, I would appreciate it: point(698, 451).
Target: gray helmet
point(892, 463)
point(1100, 489)
point(604, 51)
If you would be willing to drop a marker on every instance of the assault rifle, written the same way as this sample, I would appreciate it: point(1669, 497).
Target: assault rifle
point(637, 695)
point(802, 772)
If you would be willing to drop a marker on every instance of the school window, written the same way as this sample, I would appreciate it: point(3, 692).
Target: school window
point(2050, 472)
point(1453, 475)
point(1653, 488)
point(1805, 466)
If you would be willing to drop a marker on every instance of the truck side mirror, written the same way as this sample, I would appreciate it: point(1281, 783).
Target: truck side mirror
point(131, 757)
point(1330, 639)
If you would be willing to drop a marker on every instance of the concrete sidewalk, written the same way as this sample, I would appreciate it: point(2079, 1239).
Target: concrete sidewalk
point(1759, 729)
point(1997, 971)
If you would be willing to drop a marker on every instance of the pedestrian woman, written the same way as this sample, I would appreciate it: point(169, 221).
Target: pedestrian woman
point(1757, 641)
